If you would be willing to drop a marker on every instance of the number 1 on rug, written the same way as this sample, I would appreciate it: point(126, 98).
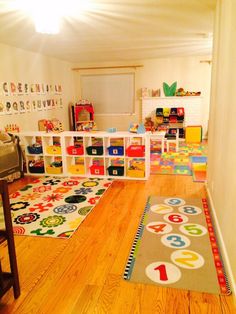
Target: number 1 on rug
point(163, 272)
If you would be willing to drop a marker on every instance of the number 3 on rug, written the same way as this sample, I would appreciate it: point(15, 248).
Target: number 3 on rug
point(158, 227)
point(163, 272)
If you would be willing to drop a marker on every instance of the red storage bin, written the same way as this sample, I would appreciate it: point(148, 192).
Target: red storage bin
point(75, 150)
point(135, 151)
point(97, 170)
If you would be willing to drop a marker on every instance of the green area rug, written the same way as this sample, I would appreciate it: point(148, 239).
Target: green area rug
point(53, 206)
point(175, 246)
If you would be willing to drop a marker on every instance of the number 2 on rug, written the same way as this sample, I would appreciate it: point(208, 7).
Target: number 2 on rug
point(187, 259)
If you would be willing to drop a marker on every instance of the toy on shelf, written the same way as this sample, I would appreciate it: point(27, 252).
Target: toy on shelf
point(181, 92)
point(169, 90)
point(138, 128)
point(149, 124)
point(53, 125)
point(82, 116)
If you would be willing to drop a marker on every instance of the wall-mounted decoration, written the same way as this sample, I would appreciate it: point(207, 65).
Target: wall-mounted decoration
point(39, 105)
point(27, 106)
point(15, 107)
point(16, 104)
point(22, 106)
point(34, 106)
point(26, 89)
point(13, 88)
point(2, 108)
point(20, 89)
point(8, 107)
point(5, 88)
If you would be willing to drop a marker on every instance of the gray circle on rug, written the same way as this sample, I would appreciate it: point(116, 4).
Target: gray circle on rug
point(65, 209)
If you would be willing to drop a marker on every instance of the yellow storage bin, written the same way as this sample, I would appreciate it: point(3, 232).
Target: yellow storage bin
point(138, 165)
point(76, 169)
point(135, 173)
point(53, 170)
point(53, 150)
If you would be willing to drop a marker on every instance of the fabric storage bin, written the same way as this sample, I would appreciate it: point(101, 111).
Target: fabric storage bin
point(97, 170)
point(76, 169)
point(94, 150)
point(135, 151)
point(53, 150)
point(135, 173)
point(35, 149)
point(53, 170)
point(75, 150)
point(36, 169)
point(116, 150)
point(115, 170)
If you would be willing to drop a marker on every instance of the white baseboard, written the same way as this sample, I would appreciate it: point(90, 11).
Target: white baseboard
point(221, 244)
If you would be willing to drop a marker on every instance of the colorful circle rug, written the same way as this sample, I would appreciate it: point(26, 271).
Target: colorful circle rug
point(54, 207)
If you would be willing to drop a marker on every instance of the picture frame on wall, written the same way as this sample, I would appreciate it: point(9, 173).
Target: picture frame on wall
point(5, 88)
point(20, 90)
point(15, 107)
point(26, 88)
point(27, 106)
point(2, 108)
point(22, 106)
point(13, 88)
point(8, 107)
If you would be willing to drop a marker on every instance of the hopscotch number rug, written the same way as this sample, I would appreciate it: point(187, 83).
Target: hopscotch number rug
point(53, 206)
point(175, 246)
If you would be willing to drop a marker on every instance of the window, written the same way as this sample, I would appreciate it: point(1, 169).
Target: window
point(109, 93)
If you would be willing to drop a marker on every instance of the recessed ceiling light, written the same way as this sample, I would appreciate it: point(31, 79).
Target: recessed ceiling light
point(47, 14)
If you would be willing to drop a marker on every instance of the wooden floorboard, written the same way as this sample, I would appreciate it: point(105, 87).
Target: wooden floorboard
point(83, 274)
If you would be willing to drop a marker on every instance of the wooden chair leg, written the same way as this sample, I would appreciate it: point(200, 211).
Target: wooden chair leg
point(10, 239)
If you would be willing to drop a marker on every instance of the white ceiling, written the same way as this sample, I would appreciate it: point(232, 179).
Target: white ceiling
point(118, 30)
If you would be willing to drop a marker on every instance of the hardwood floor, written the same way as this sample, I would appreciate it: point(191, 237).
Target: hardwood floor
point(83, 274)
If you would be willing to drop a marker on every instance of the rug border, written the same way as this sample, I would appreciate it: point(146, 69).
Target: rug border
point(131, 258)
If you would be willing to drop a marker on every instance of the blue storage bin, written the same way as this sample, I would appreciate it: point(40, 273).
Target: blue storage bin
point(35, 149)
point(116, 150)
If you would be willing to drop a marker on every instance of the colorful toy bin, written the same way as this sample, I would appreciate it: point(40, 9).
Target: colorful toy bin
point(97, 170)
point(115, 170)
point(35, 149)
point(75, 150)
point(116, 150)
point(135, 151)
point(94, 150)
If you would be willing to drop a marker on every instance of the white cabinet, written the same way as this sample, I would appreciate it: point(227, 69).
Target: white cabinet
point(193, 107)
point(93, 154)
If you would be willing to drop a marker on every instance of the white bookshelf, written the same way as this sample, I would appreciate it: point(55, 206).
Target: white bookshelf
point(70, 148)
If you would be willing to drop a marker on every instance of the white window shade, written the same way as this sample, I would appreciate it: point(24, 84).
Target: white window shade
point(109, 93)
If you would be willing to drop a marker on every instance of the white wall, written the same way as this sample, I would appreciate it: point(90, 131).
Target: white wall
point(189, 72)
point(18, 65)
point(222, 132)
